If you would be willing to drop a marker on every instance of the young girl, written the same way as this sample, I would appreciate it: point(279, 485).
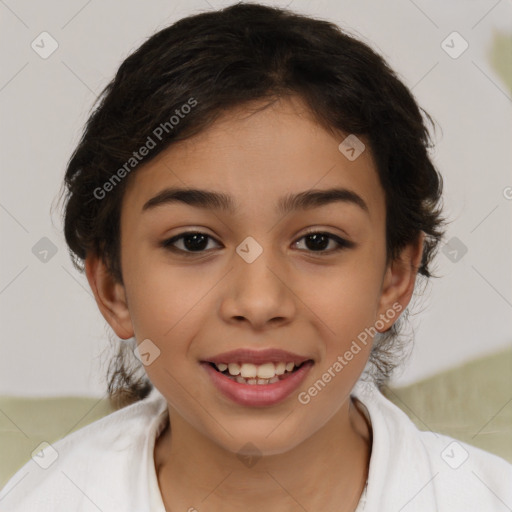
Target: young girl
point(252, 202)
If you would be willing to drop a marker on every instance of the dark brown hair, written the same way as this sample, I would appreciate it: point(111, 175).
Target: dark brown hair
point(223, 59)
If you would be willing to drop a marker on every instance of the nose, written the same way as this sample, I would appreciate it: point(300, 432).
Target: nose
point(258, 294)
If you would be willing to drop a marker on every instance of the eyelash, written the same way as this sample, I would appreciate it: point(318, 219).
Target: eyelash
point(342, 243)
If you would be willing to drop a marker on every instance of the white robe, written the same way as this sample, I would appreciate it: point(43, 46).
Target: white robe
point(108, 466)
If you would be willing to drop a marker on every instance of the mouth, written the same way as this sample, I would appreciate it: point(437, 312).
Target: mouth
point(257, 378)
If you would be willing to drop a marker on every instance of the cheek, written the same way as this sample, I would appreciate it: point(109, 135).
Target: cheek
point(347, 300)
point(165, 301)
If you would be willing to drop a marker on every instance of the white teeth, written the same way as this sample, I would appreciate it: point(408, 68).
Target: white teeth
point(280, 368)
point(248, 370)
point(251, 382)
point(266, 371)
point(234, 369)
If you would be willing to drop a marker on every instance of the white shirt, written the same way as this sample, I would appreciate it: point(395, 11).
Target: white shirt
point(108, 466)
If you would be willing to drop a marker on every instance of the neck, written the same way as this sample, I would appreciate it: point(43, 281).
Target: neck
point(327, 471)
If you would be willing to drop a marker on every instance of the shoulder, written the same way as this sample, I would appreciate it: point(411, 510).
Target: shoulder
point(71, 474)
point(422, 470)
point(467, 476)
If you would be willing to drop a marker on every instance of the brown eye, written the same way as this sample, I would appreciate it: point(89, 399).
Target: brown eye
point(191, 241)
point(318, 241)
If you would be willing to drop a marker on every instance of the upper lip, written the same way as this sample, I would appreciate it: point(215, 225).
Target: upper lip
point(246, 355)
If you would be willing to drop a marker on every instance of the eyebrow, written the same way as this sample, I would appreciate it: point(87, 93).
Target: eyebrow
point(209, 199)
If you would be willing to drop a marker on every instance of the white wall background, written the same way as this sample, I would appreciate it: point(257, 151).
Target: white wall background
point(53, 338)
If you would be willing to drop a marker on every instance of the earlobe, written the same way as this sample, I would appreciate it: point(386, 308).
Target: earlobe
point(400, 277)
point(110, 297)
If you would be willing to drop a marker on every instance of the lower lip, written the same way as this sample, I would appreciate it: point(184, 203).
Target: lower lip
point(258, 394)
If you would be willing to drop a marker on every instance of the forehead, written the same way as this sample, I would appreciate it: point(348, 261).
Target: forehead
point(257, 154)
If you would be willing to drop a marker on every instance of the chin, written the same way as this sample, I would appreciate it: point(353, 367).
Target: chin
point(256, 440)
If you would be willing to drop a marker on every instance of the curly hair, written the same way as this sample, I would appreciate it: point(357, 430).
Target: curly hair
point(225, 59)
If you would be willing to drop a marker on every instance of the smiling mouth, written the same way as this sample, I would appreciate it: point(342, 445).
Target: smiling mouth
point(262, 374)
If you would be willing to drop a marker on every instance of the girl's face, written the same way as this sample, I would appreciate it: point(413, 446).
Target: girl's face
point(254, 279)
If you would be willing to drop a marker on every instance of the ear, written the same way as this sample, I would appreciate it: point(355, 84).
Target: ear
point(110, 296)
point(400, 277)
